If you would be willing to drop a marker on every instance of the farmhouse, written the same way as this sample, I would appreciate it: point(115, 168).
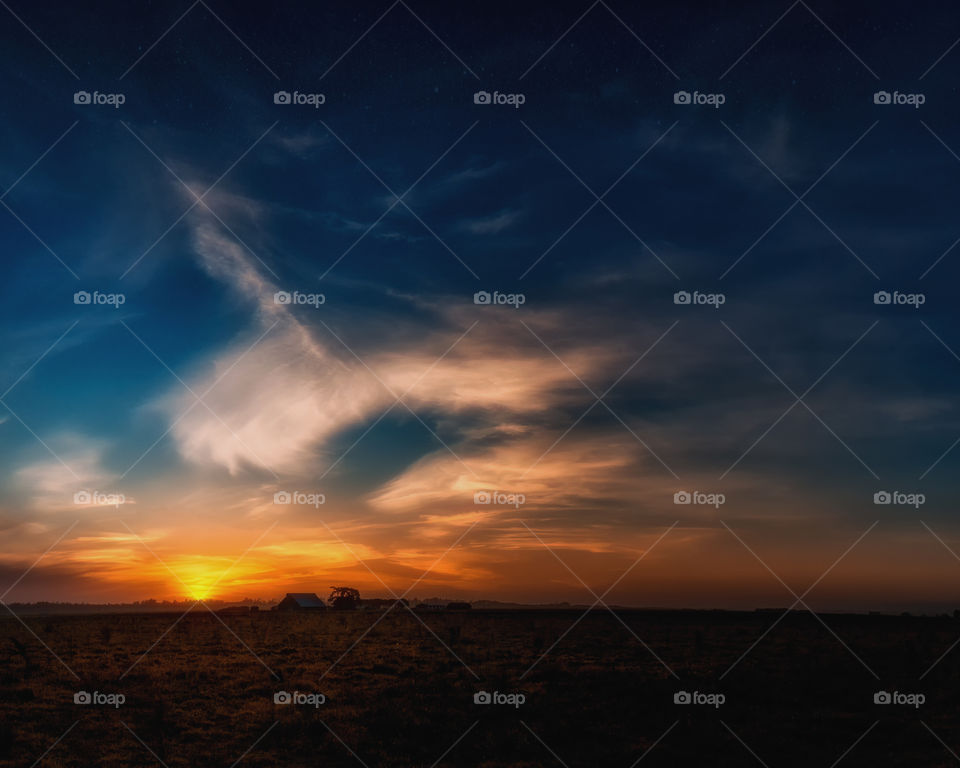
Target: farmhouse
point(301, 601)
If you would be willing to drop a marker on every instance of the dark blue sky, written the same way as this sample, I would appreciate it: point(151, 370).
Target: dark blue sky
point(598, 199)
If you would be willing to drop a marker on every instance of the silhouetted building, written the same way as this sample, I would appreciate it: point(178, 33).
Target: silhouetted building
point(301, 601)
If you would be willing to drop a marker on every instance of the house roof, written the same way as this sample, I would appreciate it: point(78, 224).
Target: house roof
point(306, 599)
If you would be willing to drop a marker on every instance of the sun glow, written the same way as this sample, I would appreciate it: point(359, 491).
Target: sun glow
point(200, 577)
point(199, 592)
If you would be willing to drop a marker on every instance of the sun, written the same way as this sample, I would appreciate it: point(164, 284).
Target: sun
point(200, 576)
point(199, 592)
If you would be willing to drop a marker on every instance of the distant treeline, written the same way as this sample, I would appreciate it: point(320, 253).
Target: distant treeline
point(139, 606)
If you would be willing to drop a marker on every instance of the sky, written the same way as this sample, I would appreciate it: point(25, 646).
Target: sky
point(254, 269)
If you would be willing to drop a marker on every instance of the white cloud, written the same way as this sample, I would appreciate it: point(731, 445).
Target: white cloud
point(50, 484)
point(277, 394)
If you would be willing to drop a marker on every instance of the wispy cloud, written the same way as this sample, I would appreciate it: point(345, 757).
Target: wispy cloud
point(490, 225)
point(51, 484)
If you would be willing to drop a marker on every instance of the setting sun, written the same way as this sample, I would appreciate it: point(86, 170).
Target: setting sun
point(199, 593)
point(199, 576)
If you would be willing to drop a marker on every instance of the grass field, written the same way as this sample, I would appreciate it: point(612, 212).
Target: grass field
point(204, 693)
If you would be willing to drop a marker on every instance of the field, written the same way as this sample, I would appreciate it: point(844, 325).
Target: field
point(204, 692)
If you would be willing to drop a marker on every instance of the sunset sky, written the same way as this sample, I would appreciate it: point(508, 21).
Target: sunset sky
point(399, 398)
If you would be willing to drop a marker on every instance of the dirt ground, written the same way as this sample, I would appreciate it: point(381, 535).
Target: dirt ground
point(204, 691)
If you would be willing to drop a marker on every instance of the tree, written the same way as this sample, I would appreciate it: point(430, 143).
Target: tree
point(344, 598)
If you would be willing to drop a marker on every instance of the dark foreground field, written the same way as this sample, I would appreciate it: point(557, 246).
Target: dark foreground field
point(204, 695)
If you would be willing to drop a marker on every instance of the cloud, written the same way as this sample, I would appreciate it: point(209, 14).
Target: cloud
point(270, 401)
point(51, 485)
point(474, 173)
point(299, 144)
point(584, 471)
point(490, 225)
point(273, 393)
point(277, 393)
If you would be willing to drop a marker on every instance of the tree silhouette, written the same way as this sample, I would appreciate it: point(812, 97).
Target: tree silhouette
point(344, 598)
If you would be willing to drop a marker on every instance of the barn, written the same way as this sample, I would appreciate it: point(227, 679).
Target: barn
point(301, 601)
